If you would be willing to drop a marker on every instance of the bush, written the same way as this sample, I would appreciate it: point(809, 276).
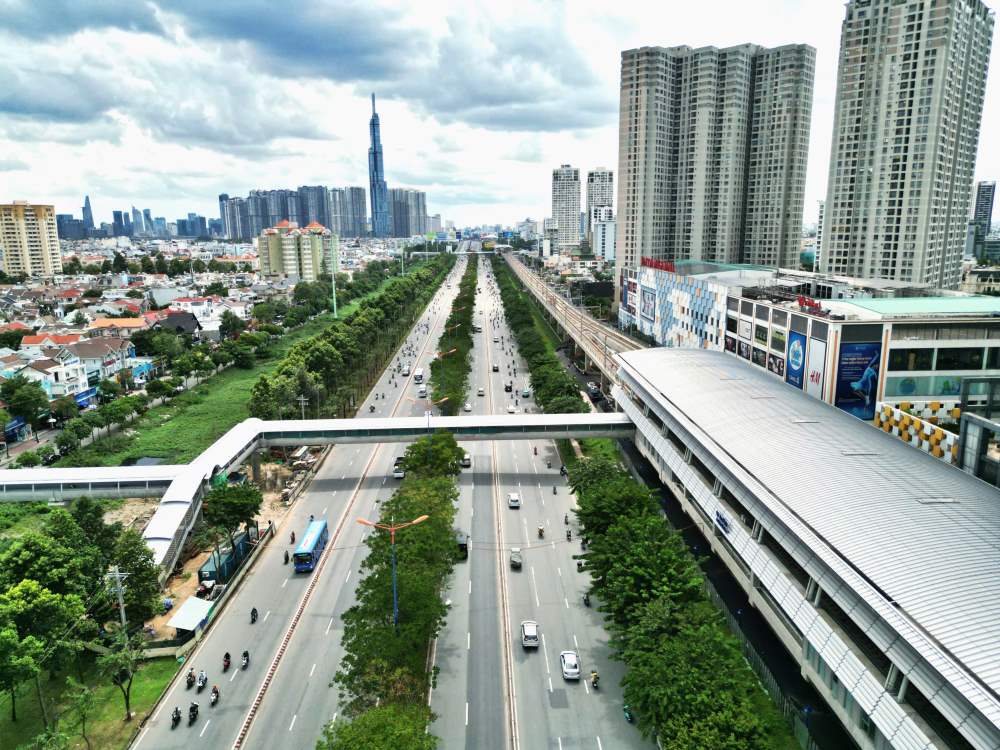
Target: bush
point(28, 459)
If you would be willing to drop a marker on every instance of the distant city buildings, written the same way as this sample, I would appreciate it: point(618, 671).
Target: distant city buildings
point(982, 218)
point(381, 224)
point(29, 239)
point(603, 230)
point(712, 153)
point(566, 207)
point(88, 215)
point(910, 90)
point(288, 250)
point(600, 194)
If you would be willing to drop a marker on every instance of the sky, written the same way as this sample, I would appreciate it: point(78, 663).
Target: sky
point(167, 104)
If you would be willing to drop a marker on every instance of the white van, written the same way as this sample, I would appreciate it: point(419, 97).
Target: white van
point(406, 370)
point(422, 391)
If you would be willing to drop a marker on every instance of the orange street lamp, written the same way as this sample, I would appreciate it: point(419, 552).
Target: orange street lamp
point(392, 529)
point(442, 355)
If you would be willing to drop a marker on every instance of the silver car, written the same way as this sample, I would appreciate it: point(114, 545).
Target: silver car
point(570, 664)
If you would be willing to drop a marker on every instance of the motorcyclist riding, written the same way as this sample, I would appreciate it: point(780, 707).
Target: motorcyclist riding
point(176, 715)
point(541, 531)
point(253, 615)
point(594, 677)
point(225, 662)
point(246, 659)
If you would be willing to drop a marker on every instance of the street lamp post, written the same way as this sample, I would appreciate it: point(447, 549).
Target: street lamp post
point(392, 529)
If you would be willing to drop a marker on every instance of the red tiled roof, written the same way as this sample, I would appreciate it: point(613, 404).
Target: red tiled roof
point(282, 224)
point(69, 338)
point(15, 326)
point(315, 225)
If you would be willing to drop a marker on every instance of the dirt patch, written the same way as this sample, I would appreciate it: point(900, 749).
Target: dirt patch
point(178, 589)
point(134, 513)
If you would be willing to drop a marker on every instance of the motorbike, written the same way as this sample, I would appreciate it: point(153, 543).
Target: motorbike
point(202, 681)
point(225, 663)
point(371, 409)
point(553, 489)
point(192, 713)
point(594, 680)
point(175, 717)
point(253, 615)
point(286, 557)
point(190, 679)
point(246, 659)
point(548, 464)
point(586, 600)
point(628, 714)
point(579, 566)
point(215, 697)
point(566, 518)
point(569, 535)
point(541, 532)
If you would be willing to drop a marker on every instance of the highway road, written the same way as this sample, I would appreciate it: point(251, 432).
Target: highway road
point(349, 484)
point(481, 661)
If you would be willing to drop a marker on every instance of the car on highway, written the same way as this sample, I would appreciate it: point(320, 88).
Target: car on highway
point(466, 460)
point(508, 388)
point(513, 500)
point(496, 367)
point(467, 407)
point(480, 391)
point(529, 634)
point(397, 468)
point(516, 558)
point(496, 339)
point(526, 393)
point(510, 408)
point(569, 662)
point(462, 539)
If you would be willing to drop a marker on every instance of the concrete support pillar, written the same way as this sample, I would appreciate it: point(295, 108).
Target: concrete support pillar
point(758, 531)
point(717, 488)
point(901, 694)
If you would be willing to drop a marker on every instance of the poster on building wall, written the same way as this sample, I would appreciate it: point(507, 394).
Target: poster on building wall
point(759, 357)
point(730, 344)
point(647, 304)
point(796, 359)
point(760, 334)
point(816, 368)
point(776, 364)
point(744, 349)
point(857, 378)
point(745, 329)
point(778, 340)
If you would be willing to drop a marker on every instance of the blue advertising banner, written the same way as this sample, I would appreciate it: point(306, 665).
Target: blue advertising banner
point(796, 358)
point(857, 378)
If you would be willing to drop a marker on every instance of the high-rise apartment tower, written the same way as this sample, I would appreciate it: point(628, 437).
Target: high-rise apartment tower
point(376, 179)
point(712, 149)
point(29, 239)
point(910, 89)
point(566, 206)
point(600, 192)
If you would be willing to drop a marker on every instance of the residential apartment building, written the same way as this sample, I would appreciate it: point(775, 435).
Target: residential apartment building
point(604, 239)
point(314, 205)
point(29, 240)
point(288, 250)
point(982, 216)
point(407, 212)
point(712, 153)
point(566, 207)
point(910, 90)
point(600, 194)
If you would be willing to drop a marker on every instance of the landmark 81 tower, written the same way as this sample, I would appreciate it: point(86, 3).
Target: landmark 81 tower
point(376, 180)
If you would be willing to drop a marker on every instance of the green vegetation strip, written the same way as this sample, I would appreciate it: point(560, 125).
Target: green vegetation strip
point(450, 370)
point(556, 391)
point(384, 675)
point(686, 681)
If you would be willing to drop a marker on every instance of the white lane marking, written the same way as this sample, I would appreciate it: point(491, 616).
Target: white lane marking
point(204, 727)
point(559, 739)
point(343, 476)
point(534, 587)
point(585, 687)
point(550, 690)
point(312, 670)
point(144, 732)
point(265, 616)
point(283, 583)
point(575, 644)
point(328, 626)
point(472, 512)
point(324, 511)
point(235, 672)
point(566, 602)
point(545, 650)
point(468, 641)
point(559, 571)
point(293, 722)
point(470, 588)
point(348, 576)
point(599, 745)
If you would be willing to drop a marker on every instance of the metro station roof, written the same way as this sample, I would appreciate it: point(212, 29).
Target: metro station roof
point(924, 536)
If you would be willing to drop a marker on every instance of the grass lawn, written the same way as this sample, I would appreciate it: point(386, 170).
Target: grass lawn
point(105, 727)
point(177, 432)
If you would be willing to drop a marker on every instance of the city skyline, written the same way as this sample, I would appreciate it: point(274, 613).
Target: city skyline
point(481, 162)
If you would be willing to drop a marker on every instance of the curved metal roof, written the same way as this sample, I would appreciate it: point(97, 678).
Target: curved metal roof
point(925, 535)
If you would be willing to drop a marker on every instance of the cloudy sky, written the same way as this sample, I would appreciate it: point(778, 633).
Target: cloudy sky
point(167, 104)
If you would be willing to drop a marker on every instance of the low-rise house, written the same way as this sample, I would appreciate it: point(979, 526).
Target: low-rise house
point(177, 321)
point(117, 327)
point(105, 358)
point(60, 373)
point(34, 344)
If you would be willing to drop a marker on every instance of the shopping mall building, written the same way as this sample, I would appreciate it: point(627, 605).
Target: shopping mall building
point(876, 565)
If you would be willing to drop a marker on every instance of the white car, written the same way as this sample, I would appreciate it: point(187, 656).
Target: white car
point(513, 500)
point(467, 407)
point(481, 392)
point(496, 339)
point(570, 664)
point(510, 408)
point(529, 634)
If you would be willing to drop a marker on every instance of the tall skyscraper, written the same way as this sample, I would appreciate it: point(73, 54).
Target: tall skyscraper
point(982, 215)
point(337, 210)
point(88, 214)
point(355, 211)
point(118, 223)
point(314, 205)
point(407, 212)
point(376, 179)
point(147, 221)
point(223, 202)
point(819, 232)
point(712, 148)
point(566, 207)
point(600, 192)
point(29, 239)
point(910, 89)
point(137, 225)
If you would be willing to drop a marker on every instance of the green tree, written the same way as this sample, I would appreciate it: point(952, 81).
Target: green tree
point(24, 398)
point(133, 556)
point(46, 450)
point(232, 506)
point(264, 312)
point(389, 727)
point(92, 294)
point(121, 664)
point(109, 389)
point(67, 442)
point(82, 704)
point(231, 325)
point(89, 517)
point(435, 456)
point(20, 661)
point(72, 267)
point(27, 459)
point(65, 408)
point(147, 265)
point(199, 266)
point(79, 427)
point(119, 264)
point(11, 339)
point(216, 289)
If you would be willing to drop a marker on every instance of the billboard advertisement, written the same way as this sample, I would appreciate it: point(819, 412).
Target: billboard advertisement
point(760, 334)
point(794, 370)
point(744, 350)
point(745, 331)
point(857, 378)
point(816, 368)
point(730, 344)
point(759, 357)
point(647, 304)
point(778, 340)
point(776, 364)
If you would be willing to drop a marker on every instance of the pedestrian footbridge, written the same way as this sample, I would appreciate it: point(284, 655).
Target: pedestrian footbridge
point(182, 487)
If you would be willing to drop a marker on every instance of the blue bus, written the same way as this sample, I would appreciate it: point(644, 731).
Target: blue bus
point(311, 547)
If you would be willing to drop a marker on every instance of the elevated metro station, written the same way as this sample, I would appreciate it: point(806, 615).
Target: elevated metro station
point(874, 563)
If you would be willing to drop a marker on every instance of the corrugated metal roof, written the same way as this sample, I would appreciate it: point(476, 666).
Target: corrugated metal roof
point(924, 534)
point(928, 305)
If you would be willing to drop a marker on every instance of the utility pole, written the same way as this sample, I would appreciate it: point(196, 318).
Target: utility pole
point(118, 578)
point(302, 404)
point(334, 267)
